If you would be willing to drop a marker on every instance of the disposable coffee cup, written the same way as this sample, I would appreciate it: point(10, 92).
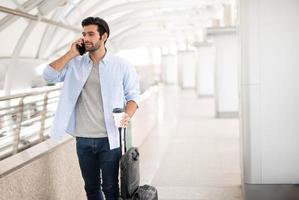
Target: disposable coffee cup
point(118, 114)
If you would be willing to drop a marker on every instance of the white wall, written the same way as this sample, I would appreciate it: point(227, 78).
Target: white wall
point(270, 90)
point(186, 69)
point(226, 71)
point(205, 73)
point(169, 69)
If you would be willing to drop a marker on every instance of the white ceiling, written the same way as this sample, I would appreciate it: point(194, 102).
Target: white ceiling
point(133, 23)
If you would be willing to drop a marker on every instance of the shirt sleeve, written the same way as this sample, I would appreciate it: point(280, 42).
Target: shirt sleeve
point(131, 84)
point(53, 76)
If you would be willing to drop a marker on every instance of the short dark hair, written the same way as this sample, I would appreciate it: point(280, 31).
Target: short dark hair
point(102, 24)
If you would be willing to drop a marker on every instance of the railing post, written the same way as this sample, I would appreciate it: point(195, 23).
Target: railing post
point(43, 118)
point(18, 126)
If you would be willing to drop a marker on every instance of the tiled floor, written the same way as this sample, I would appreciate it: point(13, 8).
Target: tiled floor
point(191, 155)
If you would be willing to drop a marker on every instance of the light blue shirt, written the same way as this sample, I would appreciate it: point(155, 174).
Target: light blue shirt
point(119, 84)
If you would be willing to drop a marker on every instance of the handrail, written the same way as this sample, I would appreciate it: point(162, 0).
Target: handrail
point(25, 119)
point(27, 123)
point(52, 88)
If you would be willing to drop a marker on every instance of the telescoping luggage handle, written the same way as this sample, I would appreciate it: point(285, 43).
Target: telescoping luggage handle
point(122, 142)
point(122, 131)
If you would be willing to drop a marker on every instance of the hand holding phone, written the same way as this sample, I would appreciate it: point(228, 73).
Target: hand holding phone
point(81, 48)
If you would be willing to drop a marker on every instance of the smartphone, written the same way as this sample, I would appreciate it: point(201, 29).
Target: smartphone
point(81, 49)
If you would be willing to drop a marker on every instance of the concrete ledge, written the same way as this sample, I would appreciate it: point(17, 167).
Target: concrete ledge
point(19, 160)
point(146, 118)
point(47, 171)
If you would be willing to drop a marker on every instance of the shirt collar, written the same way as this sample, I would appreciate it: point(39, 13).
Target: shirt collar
point(105, 59)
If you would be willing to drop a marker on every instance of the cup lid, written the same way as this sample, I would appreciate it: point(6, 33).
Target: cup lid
point(118, 110)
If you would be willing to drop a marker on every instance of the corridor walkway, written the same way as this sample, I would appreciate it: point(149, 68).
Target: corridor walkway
point(191, 155)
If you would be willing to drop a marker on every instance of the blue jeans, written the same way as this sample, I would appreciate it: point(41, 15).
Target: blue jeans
point(95, 157)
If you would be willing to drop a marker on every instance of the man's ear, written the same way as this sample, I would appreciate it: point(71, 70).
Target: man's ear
point(104, 36)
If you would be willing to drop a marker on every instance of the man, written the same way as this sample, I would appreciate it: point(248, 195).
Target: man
point(94, 84)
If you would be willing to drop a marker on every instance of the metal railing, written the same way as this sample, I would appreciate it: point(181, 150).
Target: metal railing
point(25, 119)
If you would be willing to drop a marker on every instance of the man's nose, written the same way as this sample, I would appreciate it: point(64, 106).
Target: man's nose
point(85, 39)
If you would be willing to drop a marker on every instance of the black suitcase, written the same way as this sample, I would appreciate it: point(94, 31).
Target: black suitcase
point(129, 168)
point(146, 192)
point(129, 174)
